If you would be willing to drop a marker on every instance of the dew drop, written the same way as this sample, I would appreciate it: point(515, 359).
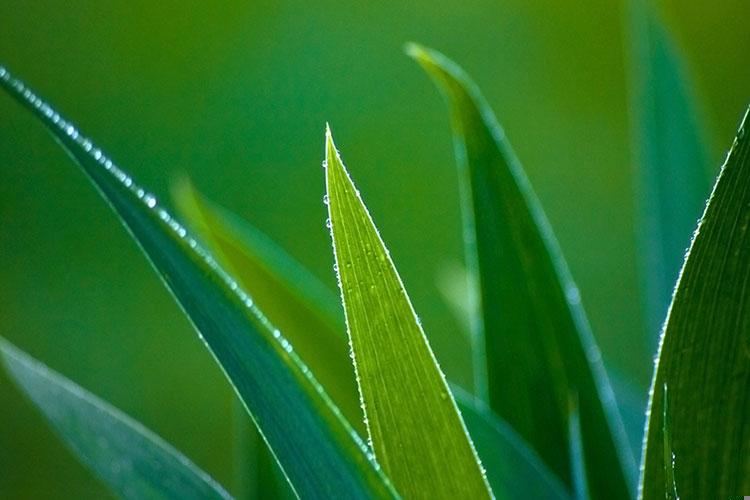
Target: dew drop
point(329, 224)
point(325, 199)
point(150, 200)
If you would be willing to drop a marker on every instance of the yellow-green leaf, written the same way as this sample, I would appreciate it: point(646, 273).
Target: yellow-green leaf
point(414, 426)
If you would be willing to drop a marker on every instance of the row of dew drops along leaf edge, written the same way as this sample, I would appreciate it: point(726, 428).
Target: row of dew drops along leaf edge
point(151, 202)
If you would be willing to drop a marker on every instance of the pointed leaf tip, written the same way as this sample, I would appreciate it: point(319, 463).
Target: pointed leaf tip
point(512, 243)
point(320, 453)
point(415, 428)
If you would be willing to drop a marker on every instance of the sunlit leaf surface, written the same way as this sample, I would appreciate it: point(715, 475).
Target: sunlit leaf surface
point(414, 425)
point(504, 454)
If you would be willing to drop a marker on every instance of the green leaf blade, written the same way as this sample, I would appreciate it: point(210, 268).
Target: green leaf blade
point(705, 352)
point(671, 153)
point(514, 470)
point(415, 428)
point(287, 293)
point(132, 460)
point(319, 452)
point(539, 347)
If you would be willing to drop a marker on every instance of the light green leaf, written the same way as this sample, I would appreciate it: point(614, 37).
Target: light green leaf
point(504, 454)
point(671, 155)
point(513, 469)
point(287, 293)
point(319, 452)
point(704, 357)
point(539, 347)
point(414, 426)
point(132, 460)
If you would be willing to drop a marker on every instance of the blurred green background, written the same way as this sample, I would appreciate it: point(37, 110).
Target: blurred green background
point(235, 95)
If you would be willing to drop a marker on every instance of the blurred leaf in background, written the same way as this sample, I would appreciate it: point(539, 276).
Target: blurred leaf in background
point(671, 155)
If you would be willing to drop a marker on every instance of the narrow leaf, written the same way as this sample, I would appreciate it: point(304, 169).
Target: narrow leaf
point(539, 347)
point(577, 459)
point(514, 470)
point(317, 449)
point(287, 293)
point(671, 156)
point(414, 426)
point(704, 357)
point(133, 461)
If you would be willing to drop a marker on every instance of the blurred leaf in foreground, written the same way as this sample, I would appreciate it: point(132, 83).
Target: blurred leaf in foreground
point(539, 348)
point(414, 425)
point(671, 156)
point(704, 357)
point(132, 460)
point(318, 450)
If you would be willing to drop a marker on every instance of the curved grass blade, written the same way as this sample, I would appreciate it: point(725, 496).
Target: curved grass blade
point(514, 470)
point(319, 452)
point(538, 344)
point(132, 460)
point(414, 425)
point(577, 459)
point(671, 155)
point(287, 293)
point(704, 357)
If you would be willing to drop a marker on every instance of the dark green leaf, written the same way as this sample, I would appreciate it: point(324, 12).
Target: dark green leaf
point(704, 357)
point(513, 469)
point(539, 347)
point(320, 453)
point(670, 152)
point(414, 425)
point(287, 293)
point(669, 458)
point(132, 460)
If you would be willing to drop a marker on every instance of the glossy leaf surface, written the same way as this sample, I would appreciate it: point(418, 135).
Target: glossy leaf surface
point(414, 425)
